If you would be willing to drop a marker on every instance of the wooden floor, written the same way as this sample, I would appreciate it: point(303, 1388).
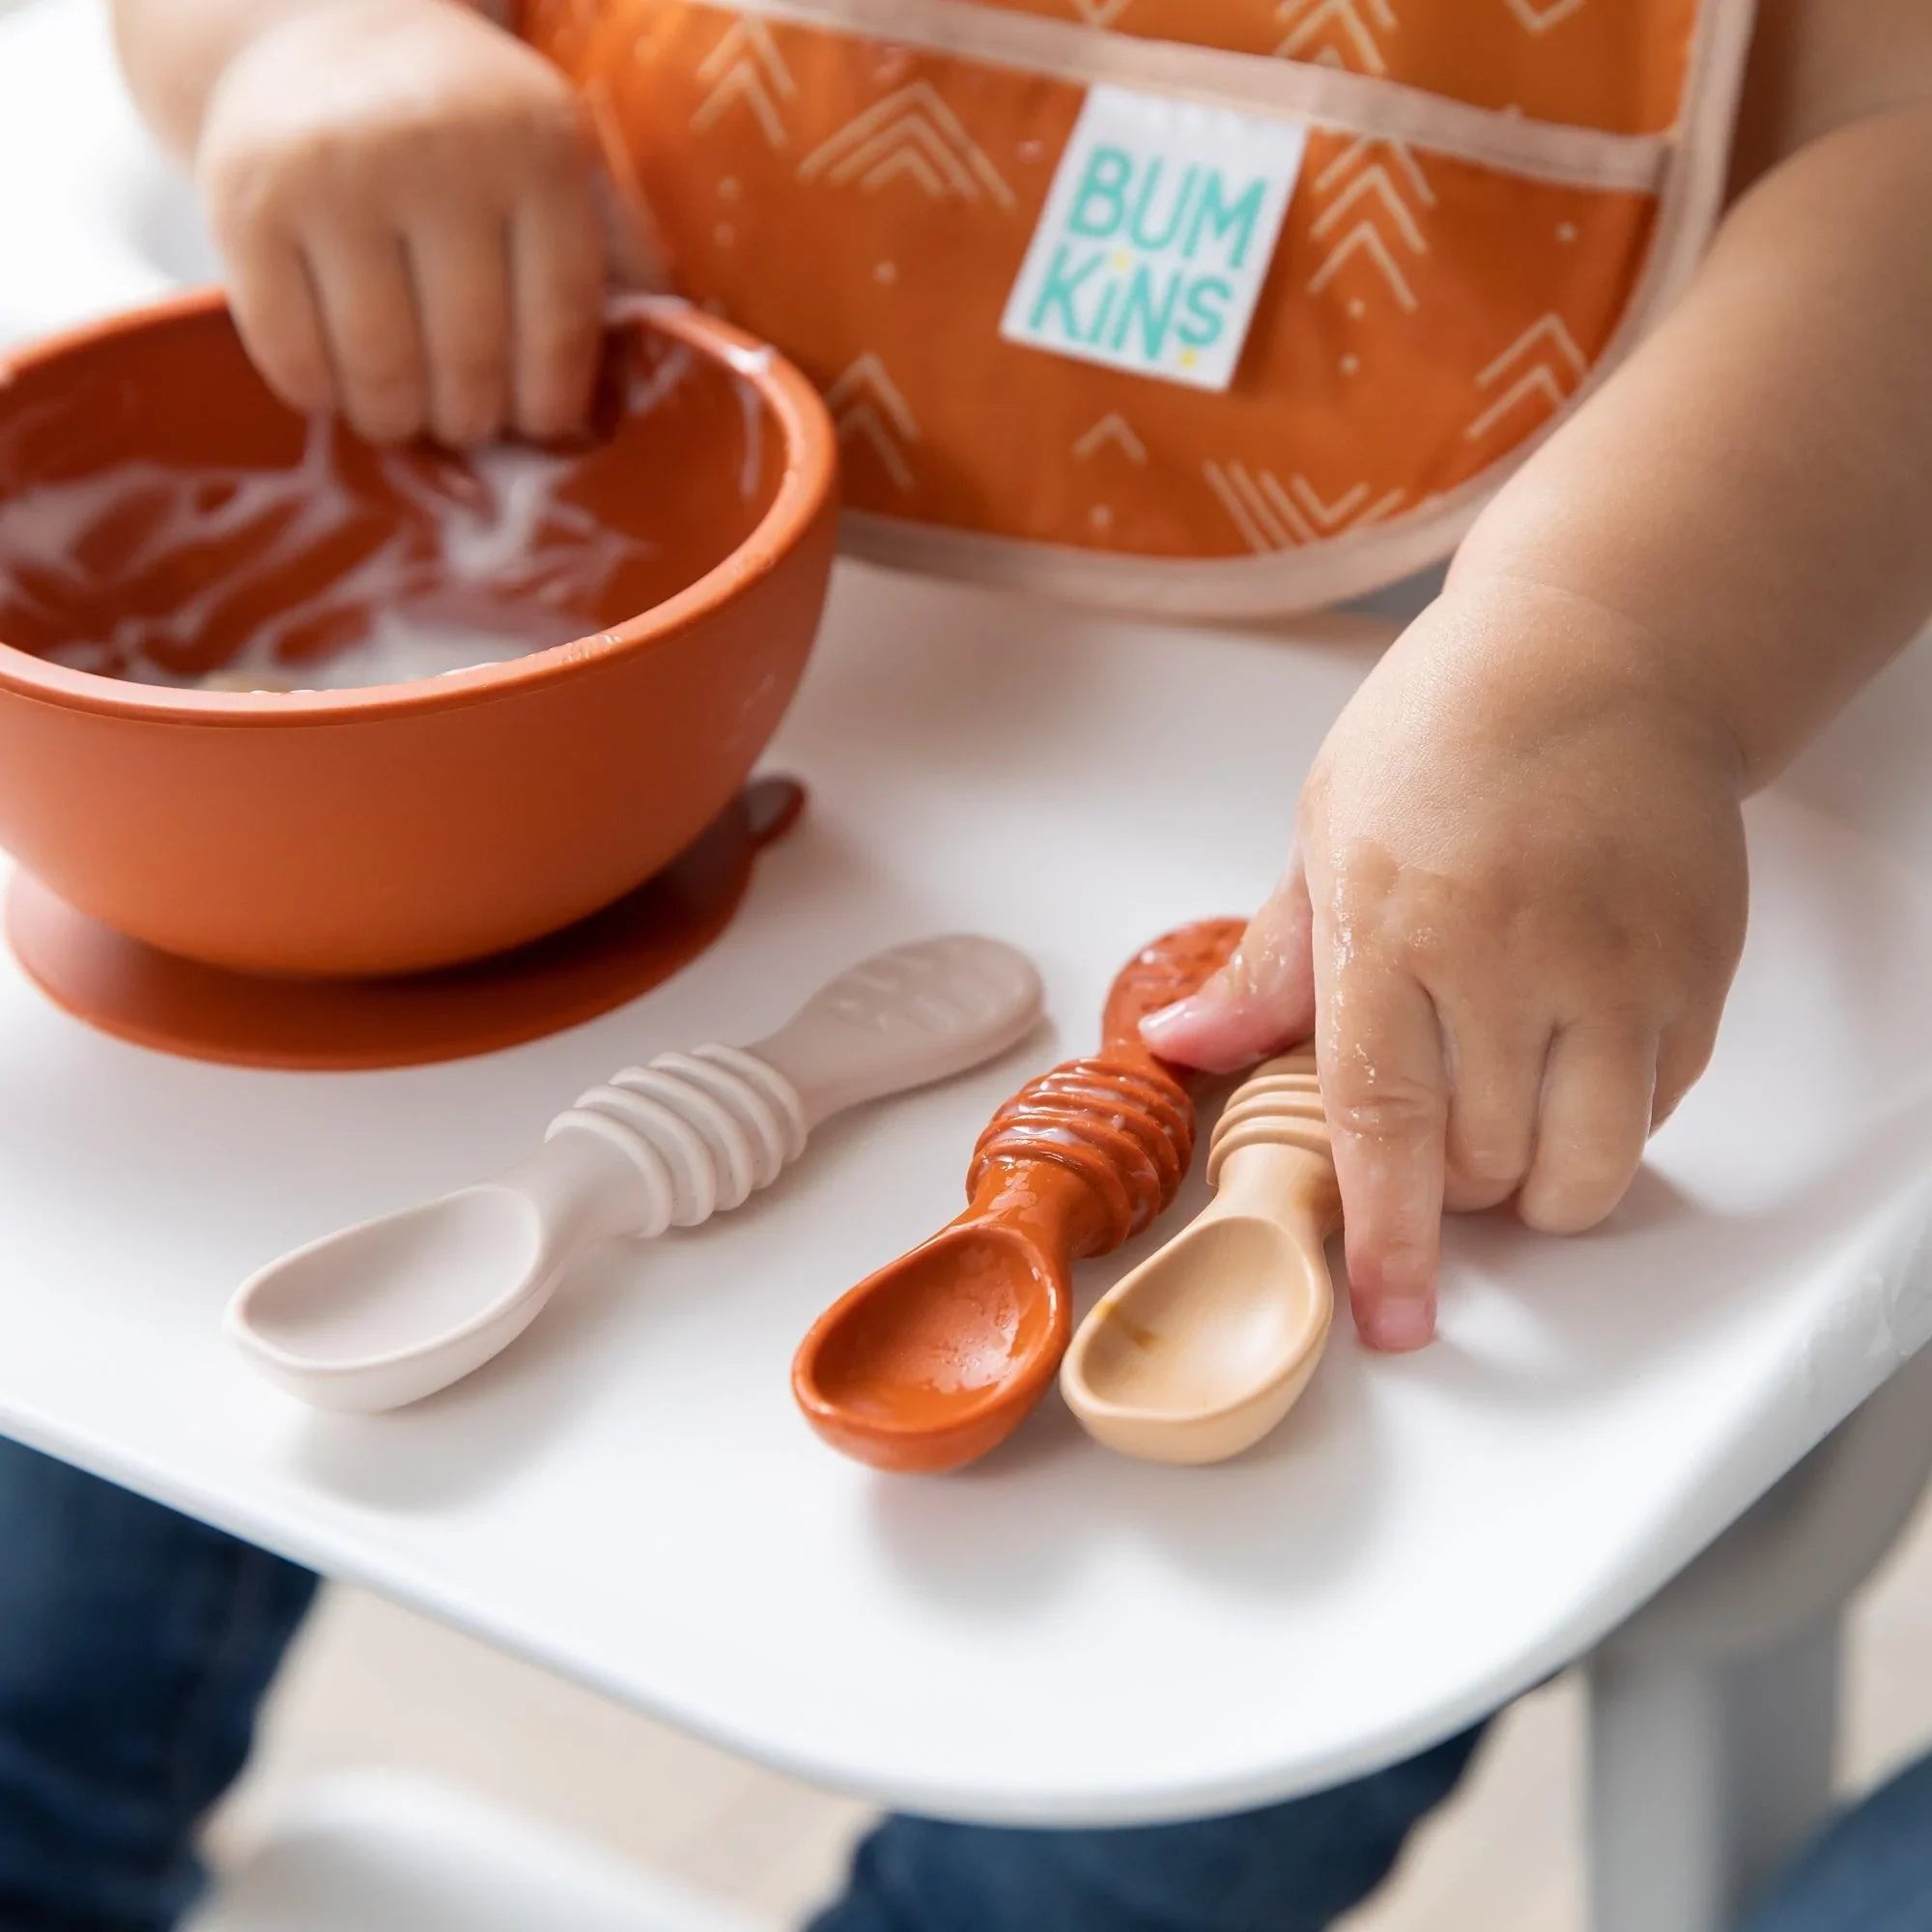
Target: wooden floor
point(372, 1684)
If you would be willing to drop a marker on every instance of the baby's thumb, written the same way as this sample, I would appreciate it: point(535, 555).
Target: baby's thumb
point(1262, 1001)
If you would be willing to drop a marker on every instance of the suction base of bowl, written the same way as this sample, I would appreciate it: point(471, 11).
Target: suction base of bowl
point(202, 1012)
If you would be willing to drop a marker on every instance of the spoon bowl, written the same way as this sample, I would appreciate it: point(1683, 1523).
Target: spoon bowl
point(1248, 1348)
point(387, 1313)
point(937, 1357)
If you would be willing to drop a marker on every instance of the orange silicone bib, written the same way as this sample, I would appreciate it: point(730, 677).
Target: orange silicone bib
point(1495, 199)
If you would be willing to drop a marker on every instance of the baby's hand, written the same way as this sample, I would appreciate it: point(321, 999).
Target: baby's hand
point(1519, 907)
point(403, 195)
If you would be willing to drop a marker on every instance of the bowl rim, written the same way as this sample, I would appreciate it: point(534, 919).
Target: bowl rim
point(804, 488)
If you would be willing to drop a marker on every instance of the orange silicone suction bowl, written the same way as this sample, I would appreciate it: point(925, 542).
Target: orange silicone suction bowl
point(151, 485)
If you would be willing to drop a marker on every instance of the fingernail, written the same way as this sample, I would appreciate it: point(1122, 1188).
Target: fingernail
point(1398, 1325)
point(1170, 1021)
point(1210, 1030)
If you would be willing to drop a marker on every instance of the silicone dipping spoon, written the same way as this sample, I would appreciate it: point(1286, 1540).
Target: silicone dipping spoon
point(938, 1357)
point(389, 1312)
point(1203, 1349)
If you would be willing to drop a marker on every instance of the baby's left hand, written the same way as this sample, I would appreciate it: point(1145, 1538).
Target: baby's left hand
point(1519, 903)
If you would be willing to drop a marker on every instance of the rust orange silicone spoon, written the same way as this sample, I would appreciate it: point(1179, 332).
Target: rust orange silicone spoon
point(937, 1357)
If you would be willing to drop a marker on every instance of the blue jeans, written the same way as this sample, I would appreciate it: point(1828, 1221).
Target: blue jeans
point(136, 1644)
point(134, 1647)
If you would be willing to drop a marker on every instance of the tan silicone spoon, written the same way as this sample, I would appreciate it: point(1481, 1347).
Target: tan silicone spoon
point(1203, 1349)
point(389, 1312)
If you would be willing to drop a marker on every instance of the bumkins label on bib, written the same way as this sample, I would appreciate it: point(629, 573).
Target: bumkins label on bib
point(1156, 236)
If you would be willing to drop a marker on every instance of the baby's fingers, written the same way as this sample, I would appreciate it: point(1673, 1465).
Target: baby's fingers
point(1496, 1045)
point(558, 296)
point(1682, 1055)
point(1386, 1091)
point(369, 310)
point(1263, 1000)
point(1598, 1095)
point(463, 289)
point(275, 310)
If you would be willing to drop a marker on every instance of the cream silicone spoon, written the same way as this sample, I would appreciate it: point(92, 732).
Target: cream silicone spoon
point(1204, 1347)
point(389, 1312)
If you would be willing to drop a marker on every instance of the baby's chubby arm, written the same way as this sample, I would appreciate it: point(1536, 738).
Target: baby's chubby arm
point(405, 199)
point(1519, 892)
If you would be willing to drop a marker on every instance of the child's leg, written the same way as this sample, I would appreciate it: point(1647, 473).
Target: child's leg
point(1294, 1867)
point(1871, 1872)
point(134, 1646)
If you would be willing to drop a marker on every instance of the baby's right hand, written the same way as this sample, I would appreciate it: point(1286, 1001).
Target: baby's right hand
point(405, 199)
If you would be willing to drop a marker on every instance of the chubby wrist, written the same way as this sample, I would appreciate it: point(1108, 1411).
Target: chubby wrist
point(1551, 661)
point(362, 23)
